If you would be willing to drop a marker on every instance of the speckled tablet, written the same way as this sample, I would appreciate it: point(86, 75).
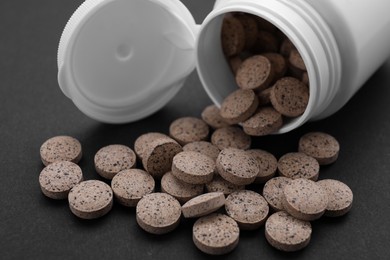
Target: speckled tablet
point(58, 178)
point(216, 234)
point(278, 63)
point(159, 155)
point(249, 24)
point(305, 199)
point(182, 191)
point(273, 192)
point(231, 136)
point(267, 162)
point(158, 213)
point(298, 165)
point(60, 148)
point(254, 73)
point(237, 166)
point(203, 204)
point(248, 208)
point(90, 199)
point(211, 115)
point(219, 184)
point(129, 186)
point(296, 60)
point(265, 121)
point(323, 147)
point(203, 147)
point(286, 233)
point(188, 129)
point(286, 47)
point(294, 72)
point(239, 106)
point(114, 158)
point(141, 144)
point(193, 167)
point(340, 197)
point(264, 96)
point(232, 36)
point(290, 97)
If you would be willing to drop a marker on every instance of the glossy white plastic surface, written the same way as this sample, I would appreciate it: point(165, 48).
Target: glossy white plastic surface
point(121, 60)
point(305, 28)
point(362, 32)
point(353, 37)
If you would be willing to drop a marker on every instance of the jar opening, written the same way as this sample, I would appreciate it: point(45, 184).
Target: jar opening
point(219, 62)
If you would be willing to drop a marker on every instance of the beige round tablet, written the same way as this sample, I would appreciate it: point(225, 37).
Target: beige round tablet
point(203, 147)
point(231, 136)
point(248, 208)
point(193, 167)
point(142, 143)
point(254, 73)
point(237, 166)
point(90, 199)
point(289, 96)
point(216, 234)
point(203, 204)
point(129, 186)
point(305, 199)
point(158, 213)
point(295, 72)
point(286, 233)
point(181, 190)
point(267, 164)
point(340, 197)
point(323, 147)
point(265, 121)
point(211, 115)
point(286, 47)
point(232, 36)
point(239, 106)
point(273, 192)
point(219, 184)
point(264, 96)
point(278, 63)
point(159, 155)
point(188, 129)
point(114, 158)
point(60, 148)
point(298, 165)
point(58, 178)
point(296, 60)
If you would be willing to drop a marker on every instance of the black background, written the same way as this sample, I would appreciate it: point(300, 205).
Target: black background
point(33, 109)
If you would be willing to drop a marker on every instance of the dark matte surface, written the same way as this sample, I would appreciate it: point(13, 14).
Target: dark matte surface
point(34, 109)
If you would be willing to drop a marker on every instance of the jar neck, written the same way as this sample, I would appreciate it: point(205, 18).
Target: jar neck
point(310, 34)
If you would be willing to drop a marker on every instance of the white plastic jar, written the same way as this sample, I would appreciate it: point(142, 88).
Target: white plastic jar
point(121, 60)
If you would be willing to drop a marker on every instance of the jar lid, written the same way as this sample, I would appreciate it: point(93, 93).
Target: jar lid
point(121, 60)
